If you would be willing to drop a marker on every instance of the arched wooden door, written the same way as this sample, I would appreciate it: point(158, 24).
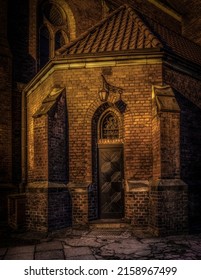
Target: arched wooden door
point(110, 167)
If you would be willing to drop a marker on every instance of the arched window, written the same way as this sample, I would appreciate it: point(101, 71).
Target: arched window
point(44, 46)
point(109, 126)
point(59, 40)
point(53, 14)
point(53, 29)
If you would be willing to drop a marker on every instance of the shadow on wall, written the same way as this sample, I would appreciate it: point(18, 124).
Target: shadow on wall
point(191, 157)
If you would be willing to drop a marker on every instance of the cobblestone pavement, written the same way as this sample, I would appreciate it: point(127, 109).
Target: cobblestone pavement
point(101, 244)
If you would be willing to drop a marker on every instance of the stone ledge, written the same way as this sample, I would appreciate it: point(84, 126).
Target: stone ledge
point(44, 186)
point(137, 186)
point(79, 187)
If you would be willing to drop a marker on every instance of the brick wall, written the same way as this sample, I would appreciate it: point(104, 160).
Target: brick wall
point(40, 149)
point(168, 209)
point(170, 145)
point(192, 22)
point(156, 143)
point(137, 208)
point(32, 106)
point(59, 208)
point(151, 144)
point(58, 142)
point(80, 205)
point(50, 165)
point(187, 92)
point(168, 212)
point(86, 13)
point(93, 202)
point(82, 87)
point(37, 209)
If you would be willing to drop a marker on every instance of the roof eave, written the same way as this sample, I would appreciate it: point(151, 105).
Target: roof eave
point(82, 60)
point(115, 54)
point(182, 64)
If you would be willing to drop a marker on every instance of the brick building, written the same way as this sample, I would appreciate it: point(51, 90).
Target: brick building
point(102, 116)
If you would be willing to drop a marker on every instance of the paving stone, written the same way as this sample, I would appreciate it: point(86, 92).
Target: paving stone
point(108, 234)
point(20, 250)
point(100, 244)
point(107, 252)
point(47, 246)
point(82, 242)
point(25, 256)
point(196, 248)
point(126, 247)
point(76, 251)
point(145, 252)
point(49, 255)
point(151, 240)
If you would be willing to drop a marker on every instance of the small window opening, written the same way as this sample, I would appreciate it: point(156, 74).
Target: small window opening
point(109, 127)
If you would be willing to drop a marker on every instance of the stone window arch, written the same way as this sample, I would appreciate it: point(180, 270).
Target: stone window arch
point(44, 45)
point(110, 127)
point(61, 39)
point(55, 17)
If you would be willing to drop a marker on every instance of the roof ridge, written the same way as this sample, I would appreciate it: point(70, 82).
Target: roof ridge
point(148, 32)
point(84, 34)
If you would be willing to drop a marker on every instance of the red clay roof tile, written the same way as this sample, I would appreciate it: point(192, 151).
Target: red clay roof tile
point(125, 29)
point(121, 30)
point(174, 42)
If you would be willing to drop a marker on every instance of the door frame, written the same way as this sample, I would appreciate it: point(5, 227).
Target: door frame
point(105, 146)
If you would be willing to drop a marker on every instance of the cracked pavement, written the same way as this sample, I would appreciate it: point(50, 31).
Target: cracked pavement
point(101, 244)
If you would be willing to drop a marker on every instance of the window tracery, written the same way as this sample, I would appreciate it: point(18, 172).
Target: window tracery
point(57, 34)
point(110, 128)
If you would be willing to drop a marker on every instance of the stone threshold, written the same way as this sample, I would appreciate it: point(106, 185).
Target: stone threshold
point(108, 224)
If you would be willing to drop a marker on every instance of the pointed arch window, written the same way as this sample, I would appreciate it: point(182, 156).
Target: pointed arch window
point(44, 46)
point(53, 29)
point(60, 39)
point(109, 126)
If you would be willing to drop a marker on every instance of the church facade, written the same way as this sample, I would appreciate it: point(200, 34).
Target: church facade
point(110, 123)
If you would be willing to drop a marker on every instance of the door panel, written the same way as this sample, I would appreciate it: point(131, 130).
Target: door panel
point(110, 182)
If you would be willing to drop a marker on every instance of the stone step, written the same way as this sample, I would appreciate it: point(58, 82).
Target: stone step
point(109, 224)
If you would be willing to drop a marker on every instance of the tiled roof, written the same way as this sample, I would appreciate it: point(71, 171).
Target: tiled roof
point(174, 42)
point(121, 30)
point(125, 29)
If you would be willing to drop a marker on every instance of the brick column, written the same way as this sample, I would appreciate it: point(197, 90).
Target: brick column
point(79, 194)
point(168, 194)
point(137, 203)
point(48, 199)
